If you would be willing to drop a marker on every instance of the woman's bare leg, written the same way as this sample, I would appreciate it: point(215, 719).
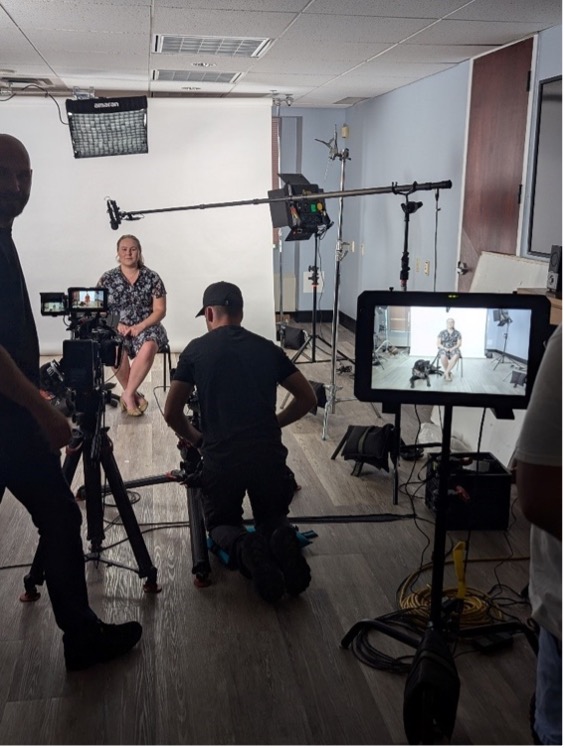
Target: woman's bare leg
point(139, 369)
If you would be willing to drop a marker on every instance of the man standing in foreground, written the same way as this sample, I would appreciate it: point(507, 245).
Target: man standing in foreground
point(236, 374)
point(539, 484)
point(32, 432)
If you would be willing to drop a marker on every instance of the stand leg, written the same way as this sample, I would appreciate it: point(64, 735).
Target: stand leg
point(198, 542)
point(145, 565)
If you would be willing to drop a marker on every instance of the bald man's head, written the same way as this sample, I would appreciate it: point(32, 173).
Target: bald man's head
point(15, 179)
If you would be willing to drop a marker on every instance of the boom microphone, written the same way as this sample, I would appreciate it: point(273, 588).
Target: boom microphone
point(114, 213)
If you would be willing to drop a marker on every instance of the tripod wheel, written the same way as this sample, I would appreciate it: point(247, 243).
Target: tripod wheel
point(152, 587)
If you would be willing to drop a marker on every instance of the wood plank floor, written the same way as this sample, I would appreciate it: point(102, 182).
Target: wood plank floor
point(220, 666)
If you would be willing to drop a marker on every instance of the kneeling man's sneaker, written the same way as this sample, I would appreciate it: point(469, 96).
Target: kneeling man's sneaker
point(288, 553)
point(100, 642)
point(266, 575)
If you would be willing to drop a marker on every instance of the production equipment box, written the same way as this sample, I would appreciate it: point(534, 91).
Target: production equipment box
point(478, 491)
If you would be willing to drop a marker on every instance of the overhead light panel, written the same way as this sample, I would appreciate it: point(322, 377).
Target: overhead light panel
point(108, 127)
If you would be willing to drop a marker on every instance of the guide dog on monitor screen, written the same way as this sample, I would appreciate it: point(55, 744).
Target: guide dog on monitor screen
point(421, 370)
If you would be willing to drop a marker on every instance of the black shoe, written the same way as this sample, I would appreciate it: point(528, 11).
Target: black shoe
point(101, 643)
point(286, 549)
point(266, 575)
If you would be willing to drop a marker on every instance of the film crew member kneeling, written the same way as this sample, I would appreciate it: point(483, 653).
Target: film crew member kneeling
point(236, 373)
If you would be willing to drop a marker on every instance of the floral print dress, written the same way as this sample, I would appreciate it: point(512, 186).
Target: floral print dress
point(134, 303)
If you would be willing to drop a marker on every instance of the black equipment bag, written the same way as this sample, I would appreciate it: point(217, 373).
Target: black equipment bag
point(321, 399)
point(431, 692)
point(293, 338)
point(371, 444)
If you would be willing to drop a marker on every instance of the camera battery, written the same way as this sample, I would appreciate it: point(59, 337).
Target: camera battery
point(80, 364)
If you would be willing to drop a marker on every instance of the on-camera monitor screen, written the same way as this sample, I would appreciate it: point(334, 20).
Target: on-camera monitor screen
point(88, 299)
point(478, 350)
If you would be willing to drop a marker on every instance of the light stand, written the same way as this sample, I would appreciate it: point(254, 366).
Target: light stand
point(408, 208)
point(315, 279)
point(504, 321)
point(434, 725)
point(340, 253)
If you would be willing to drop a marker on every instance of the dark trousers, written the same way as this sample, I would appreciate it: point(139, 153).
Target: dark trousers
point(33, 474)
point(270, 487)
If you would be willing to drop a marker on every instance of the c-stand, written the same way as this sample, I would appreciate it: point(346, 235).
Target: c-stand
point(315, 280)
point(91, 442)
point(427, 720)
point(502, 358)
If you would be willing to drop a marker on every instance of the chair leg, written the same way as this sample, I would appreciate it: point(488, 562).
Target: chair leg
point(166, 363)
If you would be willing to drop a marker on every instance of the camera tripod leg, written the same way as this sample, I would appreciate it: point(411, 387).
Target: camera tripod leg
point(198, 542)
point(145, 565)
point(93, 496)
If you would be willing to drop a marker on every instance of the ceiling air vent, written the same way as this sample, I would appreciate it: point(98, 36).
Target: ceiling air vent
point(230, 46)
point(195, 76)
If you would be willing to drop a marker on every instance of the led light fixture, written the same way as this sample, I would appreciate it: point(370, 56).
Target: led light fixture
point(108, 127)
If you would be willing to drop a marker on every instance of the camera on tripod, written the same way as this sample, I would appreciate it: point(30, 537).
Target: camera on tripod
point(94, 340)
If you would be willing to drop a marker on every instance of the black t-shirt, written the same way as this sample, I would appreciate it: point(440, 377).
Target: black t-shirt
point(236, 373)
point(18, 334)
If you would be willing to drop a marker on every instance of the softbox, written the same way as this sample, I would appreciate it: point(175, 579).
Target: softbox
point(108, 127)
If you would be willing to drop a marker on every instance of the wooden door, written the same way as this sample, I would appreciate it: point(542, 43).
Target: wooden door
point(495, 154)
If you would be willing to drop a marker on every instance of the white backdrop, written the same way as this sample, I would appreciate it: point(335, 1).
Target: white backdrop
point(200, 151)
point(427, 322)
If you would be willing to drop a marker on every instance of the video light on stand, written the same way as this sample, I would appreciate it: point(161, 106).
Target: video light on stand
point(108, 127)
point(304, 217)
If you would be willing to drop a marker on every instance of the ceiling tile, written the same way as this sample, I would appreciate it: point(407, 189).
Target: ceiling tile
point(79, 41)
point(219, 22)
point(473, 32)
point(544, 12)
point(278, 6)
point(409, 52)
point(77, 16)
point(387, 8)
point(368, 29)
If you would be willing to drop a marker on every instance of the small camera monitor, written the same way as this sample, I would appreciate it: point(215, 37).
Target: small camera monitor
point(475, 350)
point(88, 300)
point(53, 303)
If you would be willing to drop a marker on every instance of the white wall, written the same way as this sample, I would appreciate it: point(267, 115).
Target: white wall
point(199, 152)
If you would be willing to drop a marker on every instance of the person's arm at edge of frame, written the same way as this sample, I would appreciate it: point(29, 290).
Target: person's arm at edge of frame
point(178, 395)
point(16, 387)
point(158, 313)
point(303, 399)
point(540, 495)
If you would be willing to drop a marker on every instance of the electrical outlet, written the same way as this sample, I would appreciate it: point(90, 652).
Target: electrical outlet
point(427, 267)
point(417, 264)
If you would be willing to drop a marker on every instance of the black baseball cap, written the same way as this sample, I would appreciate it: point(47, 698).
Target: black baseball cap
point(222, 294)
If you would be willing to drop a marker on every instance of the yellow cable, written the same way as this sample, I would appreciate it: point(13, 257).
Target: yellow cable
point(477, 607)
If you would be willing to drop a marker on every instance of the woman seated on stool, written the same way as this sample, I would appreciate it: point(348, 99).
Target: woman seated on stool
point(449, 344)
point(139, 296)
